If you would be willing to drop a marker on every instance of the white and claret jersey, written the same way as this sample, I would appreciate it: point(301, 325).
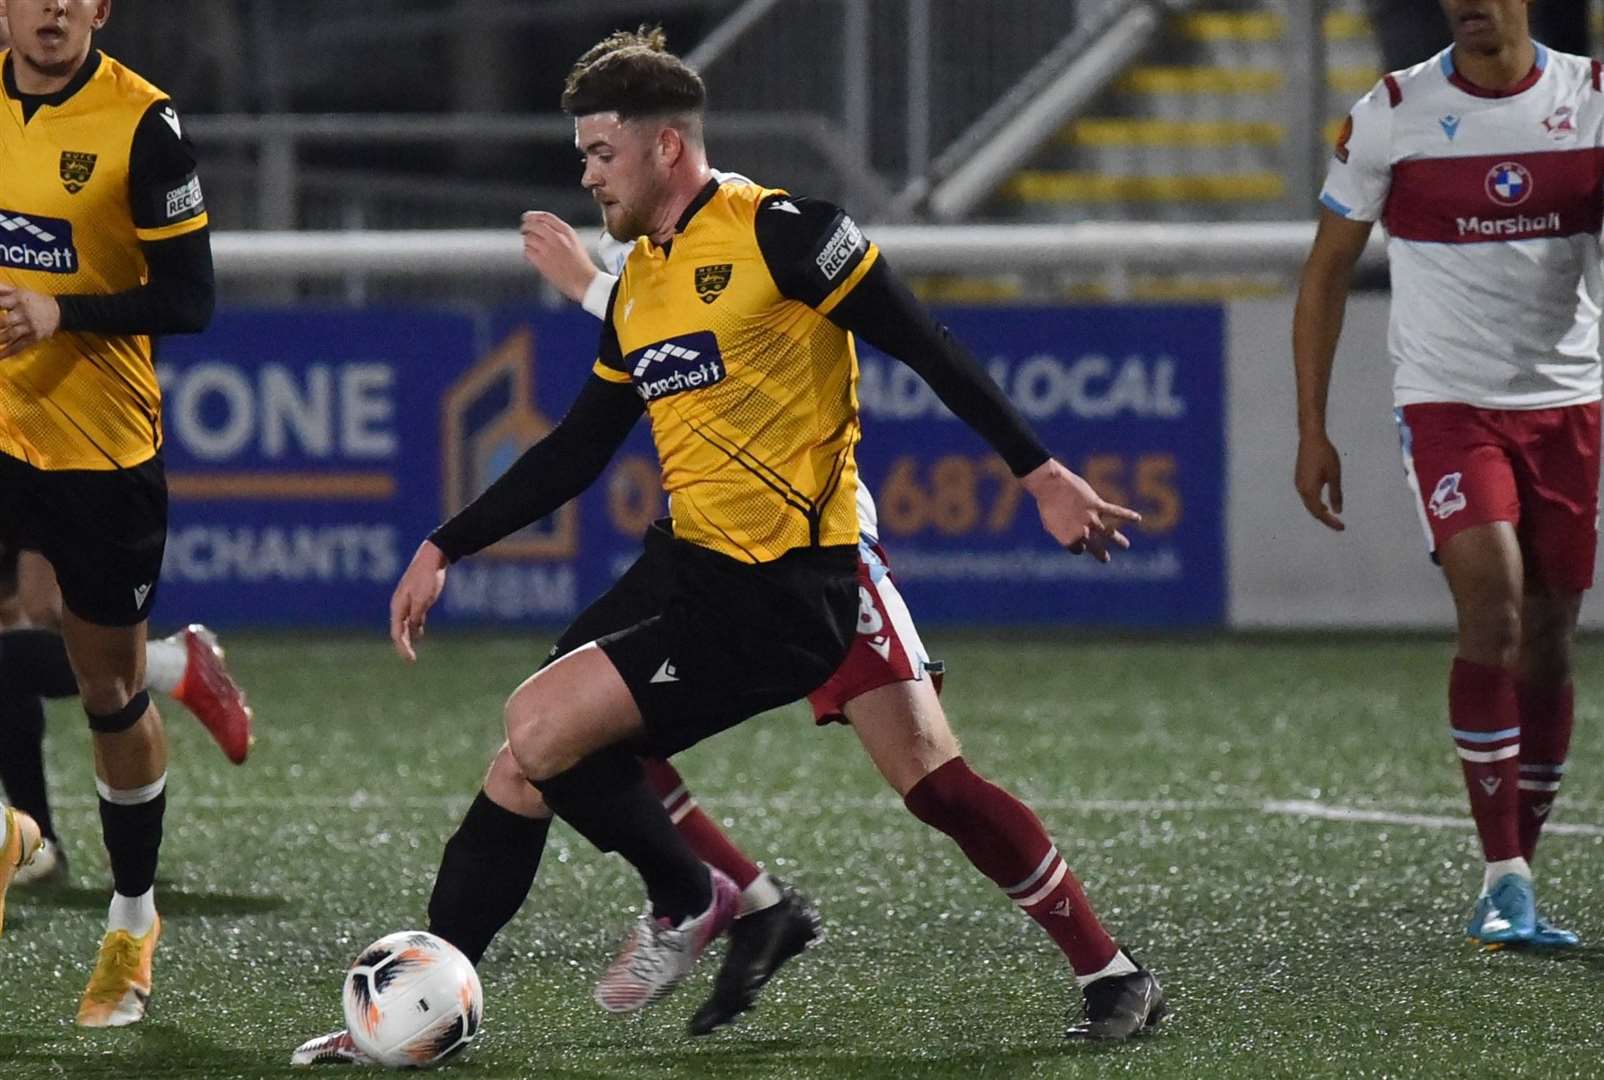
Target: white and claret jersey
point(1493, 205)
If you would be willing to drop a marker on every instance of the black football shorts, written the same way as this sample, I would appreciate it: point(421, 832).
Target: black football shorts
point(704, 641)
point(103, 532)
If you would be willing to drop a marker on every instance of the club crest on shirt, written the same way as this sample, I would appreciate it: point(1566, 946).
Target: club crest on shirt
point(1446, 499)
point(1561, 125)
point(1343, 138)
point(712, 280)
point(76, 169)
point(1508, 183)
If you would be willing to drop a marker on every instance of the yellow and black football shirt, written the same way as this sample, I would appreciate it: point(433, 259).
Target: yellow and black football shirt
point(90, 177)
point(736, 337)
point(750, 388)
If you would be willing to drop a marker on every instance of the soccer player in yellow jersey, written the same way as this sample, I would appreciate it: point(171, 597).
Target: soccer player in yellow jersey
point(731, 327)
point(103, 243)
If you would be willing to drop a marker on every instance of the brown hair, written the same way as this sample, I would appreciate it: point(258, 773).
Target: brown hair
point(632, 73)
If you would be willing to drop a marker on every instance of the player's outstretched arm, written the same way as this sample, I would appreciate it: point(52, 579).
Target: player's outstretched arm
point(817, 255)
point(555, 251)
point(1074, 514)
point(1316, 326)
point(883, 311)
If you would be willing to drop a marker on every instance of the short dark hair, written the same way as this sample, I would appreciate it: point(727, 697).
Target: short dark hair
point(632, 73)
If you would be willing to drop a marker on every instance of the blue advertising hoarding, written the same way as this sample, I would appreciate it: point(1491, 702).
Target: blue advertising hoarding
point(308, 452)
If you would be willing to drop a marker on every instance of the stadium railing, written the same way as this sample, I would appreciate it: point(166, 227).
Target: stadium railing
point(1111, 248)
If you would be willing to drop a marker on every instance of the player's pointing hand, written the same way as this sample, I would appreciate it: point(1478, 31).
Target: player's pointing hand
point(414, 595)
point(26, 318)
point(1074, 514)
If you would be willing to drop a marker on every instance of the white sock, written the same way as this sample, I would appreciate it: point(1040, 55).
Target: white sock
point(165, 661)
point(1496, 870)
point(759, 895)
point(135, 914)
point(1120, 965)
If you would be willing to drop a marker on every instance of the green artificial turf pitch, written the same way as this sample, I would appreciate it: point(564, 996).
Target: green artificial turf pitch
point(1177, 776)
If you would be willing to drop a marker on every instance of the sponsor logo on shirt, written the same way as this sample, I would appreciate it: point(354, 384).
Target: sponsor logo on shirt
point(1343, 138)
point(1450, 126)
point(1446, 498)
point(31, 242)
point(675, 365)
point(1508, 183)
point(846, 242)
point(185, 201)
point(1518, 226)
point(76, 169)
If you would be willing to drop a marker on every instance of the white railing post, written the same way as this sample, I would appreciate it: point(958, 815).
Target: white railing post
point(1265, 246)
point(855, 97)
point(919, 44)
point(279, 182)
point(1306, 98)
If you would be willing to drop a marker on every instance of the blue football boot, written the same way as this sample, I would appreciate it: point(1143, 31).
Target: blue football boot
point(1506, 914)
point(1549, 936)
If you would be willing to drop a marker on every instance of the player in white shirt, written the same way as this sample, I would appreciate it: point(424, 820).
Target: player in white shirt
point(1486, 166)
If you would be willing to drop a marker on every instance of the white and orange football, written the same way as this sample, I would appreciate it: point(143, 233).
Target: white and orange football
point(412, 1000)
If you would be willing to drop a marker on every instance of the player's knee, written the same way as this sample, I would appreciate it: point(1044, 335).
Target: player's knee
point(535, 734)
point(510, 789)
point(104, 695)
point(107, 716)
point(1546, 659)
point(1492, 631)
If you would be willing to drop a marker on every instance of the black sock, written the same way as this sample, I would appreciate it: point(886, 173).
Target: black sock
point(606, 800)
point(35, 662)
point(486, 872)
point(133, 836)
point(22, 757)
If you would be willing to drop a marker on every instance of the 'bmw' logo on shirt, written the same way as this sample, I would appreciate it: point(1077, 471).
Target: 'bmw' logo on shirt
point(1509, 184)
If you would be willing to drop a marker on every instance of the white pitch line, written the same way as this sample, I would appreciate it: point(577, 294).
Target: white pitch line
point(1356, 815)
point(713, 803)
point(362, 802)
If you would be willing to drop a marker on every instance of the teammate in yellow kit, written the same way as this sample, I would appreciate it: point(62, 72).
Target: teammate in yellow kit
point(103, 243)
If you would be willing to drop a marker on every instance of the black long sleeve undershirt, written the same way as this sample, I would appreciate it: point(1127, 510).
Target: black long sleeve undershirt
point(178, 298)
point(557, 468)
point(882, 311)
